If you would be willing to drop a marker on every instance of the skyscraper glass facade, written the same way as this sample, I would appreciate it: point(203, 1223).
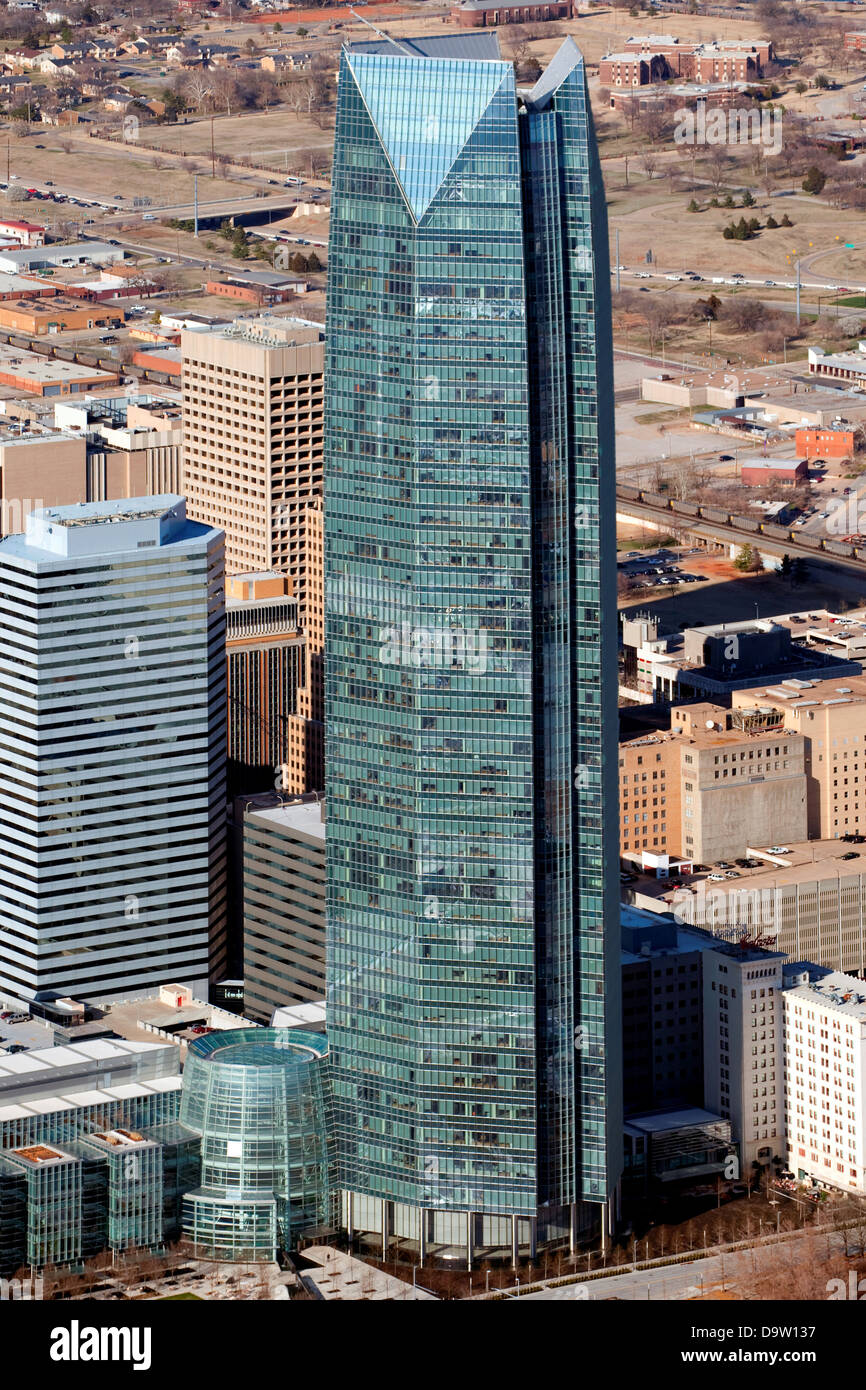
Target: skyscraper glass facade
point(260, 1100)
point(470, 647)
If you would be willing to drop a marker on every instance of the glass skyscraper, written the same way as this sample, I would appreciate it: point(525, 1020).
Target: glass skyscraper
point(470, 651)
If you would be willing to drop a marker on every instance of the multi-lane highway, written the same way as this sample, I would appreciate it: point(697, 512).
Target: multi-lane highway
point(734, 280)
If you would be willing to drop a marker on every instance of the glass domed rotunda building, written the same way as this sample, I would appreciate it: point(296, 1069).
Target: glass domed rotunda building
point(260, 1099)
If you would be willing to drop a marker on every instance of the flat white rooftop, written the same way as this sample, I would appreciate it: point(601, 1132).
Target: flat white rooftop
point(43, 1058)
point(306, 817)
point(77, 1100)
point(837, 992)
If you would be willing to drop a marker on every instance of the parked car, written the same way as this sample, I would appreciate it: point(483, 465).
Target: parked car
point(18, 1018)
point(779, 849)
point(15, 1047)
point(852, 854)
point(717, 878)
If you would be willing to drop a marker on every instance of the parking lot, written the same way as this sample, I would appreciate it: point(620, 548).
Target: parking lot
point(662, 569)
point(34, 1033)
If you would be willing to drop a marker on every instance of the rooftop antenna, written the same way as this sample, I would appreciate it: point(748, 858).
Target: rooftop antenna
point(381, 34)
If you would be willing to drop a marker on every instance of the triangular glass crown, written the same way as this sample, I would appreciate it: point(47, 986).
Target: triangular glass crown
point(424, 111)
point(567, 59)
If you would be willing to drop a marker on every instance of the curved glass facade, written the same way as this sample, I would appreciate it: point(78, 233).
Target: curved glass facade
point(472, 899)
point(260, 1099)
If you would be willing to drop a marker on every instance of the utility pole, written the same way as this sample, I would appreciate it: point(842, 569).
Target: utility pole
point(212, 155)
point(616, 244)
point(798, 291)
point(195, 203)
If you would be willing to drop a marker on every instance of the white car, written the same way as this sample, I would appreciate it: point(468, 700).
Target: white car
point(642, 275)
point(716, 878)
point(779, 849)
point(675, 277)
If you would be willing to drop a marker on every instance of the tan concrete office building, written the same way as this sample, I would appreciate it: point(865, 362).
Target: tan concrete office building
point(809, 903)
point(56, 468)
point(830, 715)
point(252, 410)
point(252, 465)
point(714, 784)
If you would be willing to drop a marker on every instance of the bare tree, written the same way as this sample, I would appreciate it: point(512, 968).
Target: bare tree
point(718, 166)
point(650, 161)
point(225, 89)
point(197, 89)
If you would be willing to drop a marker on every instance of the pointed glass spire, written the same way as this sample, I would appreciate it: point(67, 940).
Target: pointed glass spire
point(424, 112)
point(565, 60)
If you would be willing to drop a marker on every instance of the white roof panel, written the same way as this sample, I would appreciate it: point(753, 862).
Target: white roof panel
point(78, 1098)
point(56, 1056)
point(44, 1107)
point(13, 1112)
point(99, 1047)
point(21, 1063)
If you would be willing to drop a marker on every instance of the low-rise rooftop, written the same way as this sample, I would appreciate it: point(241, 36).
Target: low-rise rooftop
point(835, 991)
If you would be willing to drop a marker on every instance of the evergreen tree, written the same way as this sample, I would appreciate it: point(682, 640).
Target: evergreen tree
point(814, 180)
